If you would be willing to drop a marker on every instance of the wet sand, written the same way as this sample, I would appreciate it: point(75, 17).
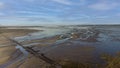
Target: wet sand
point(74, 48)
point(7, 51)
point(7, 48)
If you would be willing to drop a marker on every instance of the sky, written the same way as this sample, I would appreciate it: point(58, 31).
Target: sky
point(38, 12)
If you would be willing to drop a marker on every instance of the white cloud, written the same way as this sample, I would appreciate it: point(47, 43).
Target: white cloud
point(118, 14)
point(1, 5)
point(29, 0)
point(66, 2)
point(28, 12)
point(1, 14)
point(103, 6)
point(83, 2)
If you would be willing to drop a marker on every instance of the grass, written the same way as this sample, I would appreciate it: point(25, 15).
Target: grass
point(76, 65)
point(114, 62)
point(72, 64)
point(111, 62)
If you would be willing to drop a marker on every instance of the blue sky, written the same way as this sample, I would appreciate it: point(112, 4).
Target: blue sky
point(37, 12)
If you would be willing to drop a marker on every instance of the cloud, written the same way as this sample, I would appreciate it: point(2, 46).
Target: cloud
point(118, 14)
point(2, 14)
point(29, 0)
point(103, 5)
point(28, 12)
point(83, 2)
point(65, 2)
point(1, 5)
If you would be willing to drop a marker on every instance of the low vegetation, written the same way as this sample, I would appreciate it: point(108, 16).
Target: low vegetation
point(111, 62)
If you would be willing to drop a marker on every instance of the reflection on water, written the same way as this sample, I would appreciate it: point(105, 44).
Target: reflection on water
point(22, 50)
point(76, 42)
point(47, 32)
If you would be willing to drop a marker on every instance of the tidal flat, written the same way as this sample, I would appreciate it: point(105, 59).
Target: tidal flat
point(73, 46)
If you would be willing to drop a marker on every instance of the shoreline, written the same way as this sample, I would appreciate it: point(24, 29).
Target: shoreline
point(7, 48)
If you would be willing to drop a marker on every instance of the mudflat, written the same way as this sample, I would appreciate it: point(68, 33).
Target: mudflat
point(87, 45)
point(7, 48)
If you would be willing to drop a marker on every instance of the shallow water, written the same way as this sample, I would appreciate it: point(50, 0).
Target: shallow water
point(47, 32)
point(78, 48)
